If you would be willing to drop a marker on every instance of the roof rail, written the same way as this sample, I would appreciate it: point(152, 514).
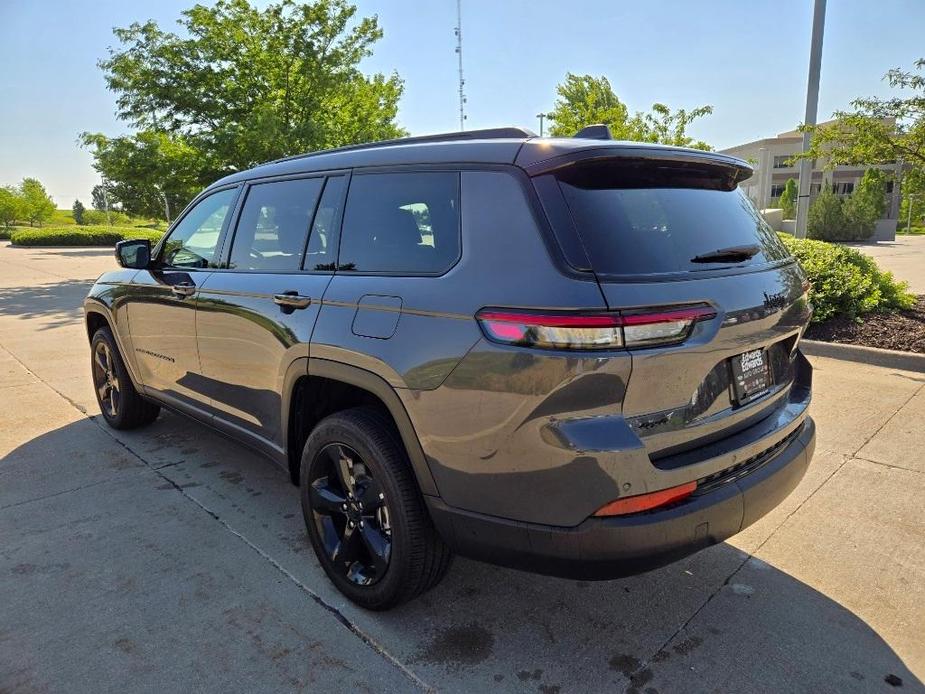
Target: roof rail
point(598, 131)
point(485, 134)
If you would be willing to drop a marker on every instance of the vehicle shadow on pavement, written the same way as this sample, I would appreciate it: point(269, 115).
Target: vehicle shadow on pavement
point(62, 302)
point(717, 621)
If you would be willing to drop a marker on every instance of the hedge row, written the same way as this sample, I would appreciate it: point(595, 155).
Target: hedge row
point(73, 235)
point(845, 281)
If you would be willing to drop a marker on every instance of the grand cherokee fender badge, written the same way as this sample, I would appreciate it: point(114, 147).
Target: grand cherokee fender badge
point(155, 354)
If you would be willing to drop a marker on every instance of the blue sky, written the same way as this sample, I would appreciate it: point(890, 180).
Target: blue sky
point(746, 58)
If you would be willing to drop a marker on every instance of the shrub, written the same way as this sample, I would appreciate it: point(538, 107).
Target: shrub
point(80, 236)
point(78, 212)
point(98, 217)
point(788, 198)
point(826, 220)
point(845, 281)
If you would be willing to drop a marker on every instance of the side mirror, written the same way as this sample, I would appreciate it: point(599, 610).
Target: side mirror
point(134, 254)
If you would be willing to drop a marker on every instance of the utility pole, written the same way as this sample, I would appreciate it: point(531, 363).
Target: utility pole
point(812, 104)
point(911, 198)
point(462, 95)
point(541, 116)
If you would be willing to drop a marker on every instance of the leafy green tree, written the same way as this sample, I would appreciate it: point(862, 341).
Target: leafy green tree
point(880, 131)
point(826, 221)
point(150, 174)
point(865, 205)
point(12, 205)
point(78, 210)
point(584, 100)
point(241, 85)
point(98, 197)
point(788, 199)
point(37, 204)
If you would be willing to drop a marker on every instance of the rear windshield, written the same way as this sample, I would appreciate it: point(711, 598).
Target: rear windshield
point(648, 220)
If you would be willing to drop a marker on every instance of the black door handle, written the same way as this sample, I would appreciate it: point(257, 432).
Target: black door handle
point(183, 289)
point(292, 300)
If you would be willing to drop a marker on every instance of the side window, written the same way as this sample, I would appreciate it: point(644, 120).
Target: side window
point(322, 243)
point(273, 225)
point(401, 222)
point(192, 242)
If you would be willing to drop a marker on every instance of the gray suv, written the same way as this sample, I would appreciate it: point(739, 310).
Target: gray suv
point(573, 356)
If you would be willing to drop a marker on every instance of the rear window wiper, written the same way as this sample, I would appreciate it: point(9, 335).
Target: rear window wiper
point(733, 254)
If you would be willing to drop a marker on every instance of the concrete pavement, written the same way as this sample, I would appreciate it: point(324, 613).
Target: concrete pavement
point(904, 257)
point(173, 559)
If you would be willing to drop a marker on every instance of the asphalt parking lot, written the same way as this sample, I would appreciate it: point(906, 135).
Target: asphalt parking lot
point(171, 559)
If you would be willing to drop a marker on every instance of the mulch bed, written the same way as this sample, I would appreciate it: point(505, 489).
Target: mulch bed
point(903, 330)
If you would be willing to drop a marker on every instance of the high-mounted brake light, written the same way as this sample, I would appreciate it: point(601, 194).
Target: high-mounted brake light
point(647, 502)
point(573, 330)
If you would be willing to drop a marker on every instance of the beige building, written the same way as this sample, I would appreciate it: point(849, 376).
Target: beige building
point(770, 157)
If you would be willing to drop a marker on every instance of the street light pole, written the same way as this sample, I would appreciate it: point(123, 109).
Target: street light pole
point(541, 116)
point(812, 104)
point(909, 220)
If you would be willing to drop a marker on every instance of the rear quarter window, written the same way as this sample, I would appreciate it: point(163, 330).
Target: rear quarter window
point(657, 220)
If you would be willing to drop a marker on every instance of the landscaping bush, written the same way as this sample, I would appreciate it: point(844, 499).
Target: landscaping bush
point(74, 235)
point(845, 281)
point(826, 221)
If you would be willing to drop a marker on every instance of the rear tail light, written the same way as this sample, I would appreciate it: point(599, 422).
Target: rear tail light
point(647, 502)
point(592, 330)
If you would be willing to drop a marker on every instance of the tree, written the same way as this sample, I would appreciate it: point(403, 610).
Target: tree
point(241, 85)
point(826, 220)
point(879, 131)
point(98, 197)
point(77, 210)
point(11, 205)
point(585, 99)
point(37, 204)
point(788, 198)
point(150, 174)
point(865, 205)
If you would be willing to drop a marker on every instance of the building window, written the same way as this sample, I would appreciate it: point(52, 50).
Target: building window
point(777, 190)
point(815, 188)
point(889, 187)
point(843, 188)
point(782, 162)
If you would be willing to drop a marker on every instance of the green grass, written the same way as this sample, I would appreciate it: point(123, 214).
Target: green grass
point(73, 235)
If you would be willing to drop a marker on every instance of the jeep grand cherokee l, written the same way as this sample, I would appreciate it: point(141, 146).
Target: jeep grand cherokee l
point(573, 356)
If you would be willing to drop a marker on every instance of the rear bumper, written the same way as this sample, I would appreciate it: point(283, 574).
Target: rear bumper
point(603, 548)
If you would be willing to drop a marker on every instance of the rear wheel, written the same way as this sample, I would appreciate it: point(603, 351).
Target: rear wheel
point(364, 514)
point(120, 403)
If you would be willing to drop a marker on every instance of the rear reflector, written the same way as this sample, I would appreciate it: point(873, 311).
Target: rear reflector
point(592, 330)
point(647, 502)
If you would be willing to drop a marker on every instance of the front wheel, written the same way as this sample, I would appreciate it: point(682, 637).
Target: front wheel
point(364, 514)
point(120, 403)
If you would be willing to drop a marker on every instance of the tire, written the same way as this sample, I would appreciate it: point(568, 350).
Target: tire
point(124, 408)
point(417, 558)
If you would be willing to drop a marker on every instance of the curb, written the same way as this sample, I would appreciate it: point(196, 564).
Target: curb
point(893, 359)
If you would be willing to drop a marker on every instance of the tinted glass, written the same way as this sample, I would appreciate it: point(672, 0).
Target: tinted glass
point(273, 225)
point(192, 242)
point(665, 222)
point(322, 243)
point(401, 222)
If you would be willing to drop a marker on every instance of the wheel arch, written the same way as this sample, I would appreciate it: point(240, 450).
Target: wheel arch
point(97, 315)
point(357, 387)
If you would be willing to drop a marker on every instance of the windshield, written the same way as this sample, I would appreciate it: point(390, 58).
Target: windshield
point(660, 222)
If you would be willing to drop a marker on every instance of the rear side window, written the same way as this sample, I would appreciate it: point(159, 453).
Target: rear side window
point(656, 220)
point(273, 225)
point(405, 223)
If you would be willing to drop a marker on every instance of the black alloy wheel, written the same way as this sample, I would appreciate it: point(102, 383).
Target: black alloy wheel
point(351, 515)
point(106, 380)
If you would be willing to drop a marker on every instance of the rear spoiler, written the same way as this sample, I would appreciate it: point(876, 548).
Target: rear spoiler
point(537, 161)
